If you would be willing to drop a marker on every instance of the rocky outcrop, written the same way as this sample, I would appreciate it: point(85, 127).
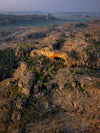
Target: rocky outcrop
point(27, 79)
point(48, 52)
point(70, 76)
point(22, 51)
point(16, 115)
point(26, 82)
point(72, 58)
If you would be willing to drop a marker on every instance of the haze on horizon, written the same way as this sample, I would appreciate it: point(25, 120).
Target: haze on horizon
point(50, 5)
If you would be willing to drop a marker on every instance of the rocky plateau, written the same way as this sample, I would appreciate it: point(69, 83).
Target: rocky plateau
point(50, 79)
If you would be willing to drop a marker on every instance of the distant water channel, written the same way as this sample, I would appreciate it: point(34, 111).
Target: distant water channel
point(64, 17)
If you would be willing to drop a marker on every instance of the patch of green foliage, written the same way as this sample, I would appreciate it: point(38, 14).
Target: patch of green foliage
point(59, 44)
point(67, 36)
point(60, 40)
point(91, 47)
point(23, 46)
point(75, 55)
point(73, 70)
point(95, 47)
point(72, 36)
point(8, 63)
point(79, 86)
point(82, 88)
point(87, 35)
point(59, 63)
point(12, 91)
point(44, 69)
point(92, 40)
point(48, 65)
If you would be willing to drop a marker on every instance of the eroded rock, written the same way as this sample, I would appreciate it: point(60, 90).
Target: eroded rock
point(20, 103)
point(38, 86)
point(49, 53)
point(16, 115)
point(27, 79)
point(22, 51)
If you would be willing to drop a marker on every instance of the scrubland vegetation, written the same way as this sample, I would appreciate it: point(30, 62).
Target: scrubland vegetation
point(50, 79)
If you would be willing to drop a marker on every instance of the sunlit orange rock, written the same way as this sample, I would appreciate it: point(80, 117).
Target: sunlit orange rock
point(49, 53)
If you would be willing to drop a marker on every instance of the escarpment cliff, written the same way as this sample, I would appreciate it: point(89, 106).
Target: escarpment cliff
point(11, 19)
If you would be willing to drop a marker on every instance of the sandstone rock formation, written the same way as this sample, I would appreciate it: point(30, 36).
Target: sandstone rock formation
point(27, 79)
point(48, 52)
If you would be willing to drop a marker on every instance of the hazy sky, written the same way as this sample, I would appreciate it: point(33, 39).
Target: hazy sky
point(50, 5)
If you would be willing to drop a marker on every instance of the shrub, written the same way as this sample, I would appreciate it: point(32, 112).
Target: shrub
point(59, 44)
point(8, 63)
